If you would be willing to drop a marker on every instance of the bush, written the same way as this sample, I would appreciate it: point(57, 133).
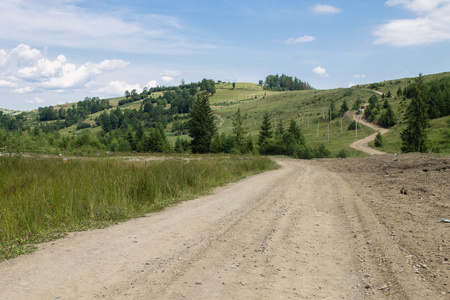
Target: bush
point(342, 154)
point(352, 126)
point(83, 125)
point(378, 140)
point(321, 152)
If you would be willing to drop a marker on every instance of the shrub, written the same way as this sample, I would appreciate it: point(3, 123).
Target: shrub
point(342, 154)
point(379, 140)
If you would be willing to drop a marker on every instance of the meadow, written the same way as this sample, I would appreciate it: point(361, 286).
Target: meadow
point(43, 197)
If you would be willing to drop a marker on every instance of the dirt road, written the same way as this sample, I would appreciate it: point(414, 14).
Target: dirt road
point(362, 144)
point(299, 232)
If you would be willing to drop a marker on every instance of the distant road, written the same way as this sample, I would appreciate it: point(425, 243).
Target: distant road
point(363, 144)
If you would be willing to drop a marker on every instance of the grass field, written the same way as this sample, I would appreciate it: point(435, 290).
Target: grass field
point(438, 135)
point(307, 108)
point(44, 197)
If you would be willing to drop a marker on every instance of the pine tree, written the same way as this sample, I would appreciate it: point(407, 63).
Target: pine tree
point(266, 129)
point(296, 132)
point(201, 125)
point(414, 137)
point(239, 131)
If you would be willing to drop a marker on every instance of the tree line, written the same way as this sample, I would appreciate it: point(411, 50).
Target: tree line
point(284, 83)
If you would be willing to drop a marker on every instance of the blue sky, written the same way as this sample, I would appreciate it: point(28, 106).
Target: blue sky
point(57, 51)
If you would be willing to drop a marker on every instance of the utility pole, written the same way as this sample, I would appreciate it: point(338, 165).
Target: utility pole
point(318, 122)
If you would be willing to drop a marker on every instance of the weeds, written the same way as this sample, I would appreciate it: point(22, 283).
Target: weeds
point(42, 197)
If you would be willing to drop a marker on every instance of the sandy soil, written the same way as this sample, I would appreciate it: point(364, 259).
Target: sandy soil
point(320, 229)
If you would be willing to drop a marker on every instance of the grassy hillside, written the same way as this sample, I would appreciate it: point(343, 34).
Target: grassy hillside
point(310, 108)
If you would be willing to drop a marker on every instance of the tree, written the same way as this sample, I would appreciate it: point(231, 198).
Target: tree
point(265, 131)
point(414, 137)
point(373, 101)
point(344, 108)
point(296, 132)
point(378, 140)
point(280, 129)
point(388, 118)
point(201, 125)
point(234, 85)
point(239, 131)
point(127, 94)
point(208, 85)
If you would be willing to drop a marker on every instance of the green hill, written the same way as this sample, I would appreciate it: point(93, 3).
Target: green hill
point(309, 108)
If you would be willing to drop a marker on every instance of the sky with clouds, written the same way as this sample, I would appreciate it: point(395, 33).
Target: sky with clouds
point(63, 51)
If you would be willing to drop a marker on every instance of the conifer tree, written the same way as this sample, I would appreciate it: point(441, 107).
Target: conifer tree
point(414, 137)
point(266, 129)
point(201, 125)
point(239, 131)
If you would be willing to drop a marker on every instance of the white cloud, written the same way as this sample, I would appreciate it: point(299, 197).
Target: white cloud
point(30, 70)
point(359, 76)
point(151, 84)
point(169, 75)
point(167, 78)
point(25, 52)
point(326, 9)
point(24, 90)
point(320, 71)
point(432, 24)
point(35, 100)
point(6, 83)
point(118, 88)
point(303, 39)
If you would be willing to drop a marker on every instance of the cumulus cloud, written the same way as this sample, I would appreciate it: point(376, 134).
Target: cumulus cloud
point(432, 24)
point(303, 39)
point(326, 9)
point(29, 70)
point(118, 88)
point(169, 75)
point(25, 52)
point(151, 84)
point(320, 71)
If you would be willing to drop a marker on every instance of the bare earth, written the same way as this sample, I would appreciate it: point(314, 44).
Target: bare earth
point(321, 229)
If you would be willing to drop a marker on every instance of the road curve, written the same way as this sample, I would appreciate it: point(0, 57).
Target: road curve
point(363, 144)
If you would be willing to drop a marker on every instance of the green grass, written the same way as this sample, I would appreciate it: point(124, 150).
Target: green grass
point(303, 106)
point(43, 197)
point(438, 136)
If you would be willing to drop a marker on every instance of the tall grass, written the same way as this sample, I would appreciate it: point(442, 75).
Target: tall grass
point(41, 197)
